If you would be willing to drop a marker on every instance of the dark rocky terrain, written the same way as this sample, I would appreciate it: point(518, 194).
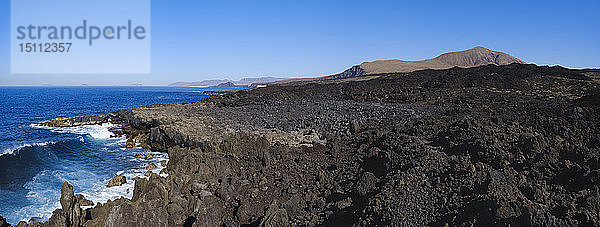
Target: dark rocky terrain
point(514, 145)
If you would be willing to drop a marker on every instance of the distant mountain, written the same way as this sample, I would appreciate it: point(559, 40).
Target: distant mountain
point(260, 80)
point(204, 83)
point(477, 56)
point(226, 85)
point(222, 83)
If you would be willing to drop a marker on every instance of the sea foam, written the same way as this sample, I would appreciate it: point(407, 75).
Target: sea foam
point(95, 190)
point(95, 131)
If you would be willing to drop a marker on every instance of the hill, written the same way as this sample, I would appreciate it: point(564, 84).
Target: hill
point(477, 56)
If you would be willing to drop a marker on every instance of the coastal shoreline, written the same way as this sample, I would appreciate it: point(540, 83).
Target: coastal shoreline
point(486, 145)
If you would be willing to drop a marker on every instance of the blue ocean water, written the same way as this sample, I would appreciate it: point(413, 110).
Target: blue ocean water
point(35, 161)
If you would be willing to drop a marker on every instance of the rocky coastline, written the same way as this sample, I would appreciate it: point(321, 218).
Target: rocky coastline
point(485, 146)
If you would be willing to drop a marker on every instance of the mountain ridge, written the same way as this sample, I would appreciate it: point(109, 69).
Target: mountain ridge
point(473, 57)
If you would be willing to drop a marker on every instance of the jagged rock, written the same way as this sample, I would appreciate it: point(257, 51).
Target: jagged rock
point(204, 193)
point(71, 213)
point(344, 203)
point(33, 220)
point(366, 183)
point(83, 201)
point(67, 197)
point(77, 121)
point(129, 143)
point(151, 166)
point(141, 139)
point(148, 197)
point(138, 155)
point(3, 222)
point(163, 163)
point(148, 173)
point(117, 181)
point(149, 156)
point(275, 217)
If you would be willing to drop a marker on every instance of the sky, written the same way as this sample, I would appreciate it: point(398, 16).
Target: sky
point(195, 40)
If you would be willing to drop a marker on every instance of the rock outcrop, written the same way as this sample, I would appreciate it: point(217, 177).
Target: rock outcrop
point(83, 201)
point(151, 166)
point(3, 222)
point(70, 214)
point(77, 121)
point(117, 181)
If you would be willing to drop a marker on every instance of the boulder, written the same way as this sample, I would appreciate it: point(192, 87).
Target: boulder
point(163, 163)
point(117, 181)
point(141, 138)
point(367, 182)
point(149, 156)
point(138, 155)
point(129, 143)
point(148, 173)
point(151, 166)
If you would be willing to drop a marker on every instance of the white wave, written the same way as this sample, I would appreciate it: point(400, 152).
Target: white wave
point(101, 193)
point(95, 131)
point(42, 198)
point(86, 182)
point(43, 210)
point(10, 151)
point(118, 141)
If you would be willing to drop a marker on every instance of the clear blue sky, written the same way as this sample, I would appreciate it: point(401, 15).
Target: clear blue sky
point(196, 40)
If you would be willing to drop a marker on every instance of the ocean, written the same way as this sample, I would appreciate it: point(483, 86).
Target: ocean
point(35, 161)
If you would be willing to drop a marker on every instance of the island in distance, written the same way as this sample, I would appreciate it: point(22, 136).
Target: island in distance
point(224, 83)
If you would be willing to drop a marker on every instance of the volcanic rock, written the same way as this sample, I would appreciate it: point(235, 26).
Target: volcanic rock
point(82, 201)
point(77, 121)
point(71, 213)
point(151, 166)
point(117, 181)
point(149, 156)
point(491, 146)
point(3, 222)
